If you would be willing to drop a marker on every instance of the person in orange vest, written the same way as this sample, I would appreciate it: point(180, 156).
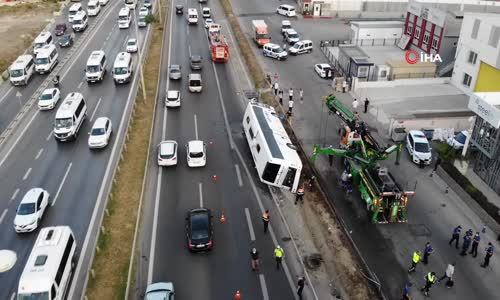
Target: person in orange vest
point(266, 218)
point(300, 195)
point(237, 296)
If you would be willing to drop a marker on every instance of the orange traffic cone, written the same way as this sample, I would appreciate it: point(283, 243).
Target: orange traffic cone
point(237, 296)
point(222, 218)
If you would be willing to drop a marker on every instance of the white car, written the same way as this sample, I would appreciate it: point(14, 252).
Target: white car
point(49, 98)
point(205, 12)
point(103, 2)
point(286, 10)
point(132, 45)
point(196, 154)
point(458, 141)
point(144, 11)
point(208, 21)
point(30, 211)
point(418, 147)
point(147, 3)
point(167, 153)
point(101, 133)
point(173, 99)
point(291, 36)
point(322, 70)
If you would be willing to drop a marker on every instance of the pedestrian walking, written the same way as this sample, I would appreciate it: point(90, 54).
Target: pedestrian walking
point(429, 281)
point(254, 254)
point(290, 94)
point(290, 106)
point(355, 104)
point(367, 102)
point(301, 94)
point(436, 165)
point(284, 46)
point(466, 244)
point(344, 86)
point(300, 195)
point(311, 183)
point(278, 255)
point(456, 236)
point(276, 88)
point(414, 261)
point(330, 159)
point(300, 286)
point(265, 219)
point(489, 253)
point(406, 291)
point(448, 274)
point(475, 243)
point(280, 96)
point(427, 252)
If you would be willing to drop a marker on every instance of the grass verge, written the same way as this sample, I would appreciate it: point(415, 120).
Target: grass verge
point(111, 263)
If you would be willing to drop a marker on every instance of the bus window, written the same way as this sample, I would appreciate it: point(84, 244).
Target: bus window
point(270, 172)
point(289, 178)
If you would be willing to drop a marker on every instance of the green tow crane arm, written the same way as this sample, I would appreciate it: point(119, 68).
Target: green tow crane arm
point(339, 109)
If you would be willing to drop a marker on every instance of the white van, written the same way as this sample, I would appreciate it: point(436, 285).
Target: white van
point(301, 47)
point(124, 18)
point(93, 8)
point(80, 21)
point(21, 70)
point(73, 10)
point(96, 66)
point(195, 84)
point(47, 273)
point(418, 147)
point(46, 59)
point(122, 68)
point(70, 117)
point(274, 51)
point(44, 38)
point(192, 16)
point(286, 10)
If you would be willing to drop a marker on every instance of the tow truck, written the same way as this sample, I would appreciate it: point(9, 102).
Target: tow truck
point(219, 48)
point(385, 200)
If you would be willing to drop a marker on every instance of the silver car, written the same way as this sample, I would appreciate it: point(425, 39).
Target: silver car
point(175, 72)
point(160, 291)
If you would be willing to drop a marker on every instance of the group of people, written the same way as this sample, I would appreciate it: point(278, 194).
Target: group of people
point(279, 93)
point(470, 240)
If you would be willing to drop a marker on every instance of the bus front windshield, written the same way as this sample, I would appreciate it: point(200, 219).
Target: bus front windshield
point(34, 296)
point(121, 71)
point(64, 123)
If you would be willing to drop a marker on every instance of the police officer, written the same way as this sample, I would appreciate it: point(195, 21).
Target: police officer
point(456, 236)
point(430, 278)
point(278, 255)
point(466, 244)
point(475, 244)
point(300, 195)
point(427, 251)
point(300, 286)
point(415, 260)
point(254, 254)
point(489, 253)
point(265, 219)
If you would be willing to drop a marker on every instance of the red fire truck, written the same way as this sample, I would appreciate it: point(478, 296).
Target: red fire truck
point(218, 46)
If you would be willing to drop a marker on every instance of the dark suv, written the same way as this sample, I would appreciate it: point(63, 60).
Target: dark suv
point(199, 229)
point(179, 9)
point(196, 62)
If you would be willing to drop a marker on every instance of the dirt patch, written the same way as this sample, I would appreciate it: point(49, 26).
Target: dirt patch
point(20, 23)
point(111, 263)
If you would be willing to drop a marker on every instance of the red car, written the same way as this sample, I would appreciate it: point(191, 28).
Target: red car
point(60, 29)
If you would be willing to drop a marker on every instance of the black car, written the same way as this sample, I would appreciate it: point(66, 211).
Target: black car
point(179, 9)
point(147, 3)
point(199, 229)
point(60, 29)
point(66, 40)
point(196, 62)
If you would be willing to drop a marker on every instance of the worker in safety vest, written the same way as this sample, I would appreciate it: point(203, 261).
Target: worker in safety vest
point(266, 218)
point(430, 278)
point(278, 255)
point(300, 195)
point(415, 260)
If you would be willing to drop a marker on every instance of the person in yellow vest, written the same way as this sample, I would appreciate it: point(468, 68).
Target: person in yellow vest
point(278, 255)
point(430, 278)
point(414, 261)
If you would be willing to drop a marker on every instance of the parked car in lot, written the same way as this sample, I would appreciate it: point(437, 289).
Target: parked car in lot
point(285, 25)
point(160, 291)
point(199, 229)
point(60, 29)
point(291, 36)
point(459, 140)
point(49, 98)
point(286, 10)
point(66, 40)
point(100, 133)
point(30, 211)
point(167, 153)
point(301, 47)
point(174, 72)
point(274, 51)
point(418, 147)
point(323, 70)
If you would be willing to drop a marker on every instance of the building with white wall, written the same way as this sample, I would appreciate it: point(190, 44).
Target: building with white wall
point(477, 63)
point(376, 33)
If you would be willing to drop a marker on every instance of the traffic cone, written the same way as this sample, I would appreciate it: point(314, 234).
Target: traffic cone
point(237, 296)
point(222, 218)
point(214, 178)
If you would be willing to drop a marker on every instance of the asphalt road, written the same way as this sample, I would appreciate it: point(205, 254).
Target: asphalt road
point(70, 172)
point(172, 191)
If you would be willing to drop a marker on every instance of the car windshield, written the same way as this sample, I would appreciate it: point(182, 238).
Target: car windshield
point(422, 147)
point(64, 38)
point(91, 7)
point(195, 154)
point(77, 22)
point(60, 27)
point(279, 50)
point(120, 71)
point(194, 83)
point(39, 45)
point(199, 227)
point(16, 73)
point(286, 26)
point(131, 43)
point(92, 69)
point(98, 131)
point(461, 138)
point(26, 209)
point(293, 35)
point(262, 36)
point(42, 61)
point(175, 71)
point(168, 152)
point(64, 123)
point(72, 12)
point(46, 96)
point(34, 296)
point(172, 97)
point(123, 18)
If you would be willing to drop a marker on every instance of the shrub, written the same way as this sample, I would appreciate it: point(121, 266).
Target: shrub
point(149, 19)
point(446, 152)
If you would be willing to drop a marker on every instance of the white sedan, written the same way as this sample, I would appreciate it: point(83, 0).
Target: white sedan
point(173, 99)
point(100, 133)
point(31, 209)
point(167, 153)
point(208, 21)
point(144, 11)
point(49, 98)
point(196, 154)
point(132, 45)
point(322, 70)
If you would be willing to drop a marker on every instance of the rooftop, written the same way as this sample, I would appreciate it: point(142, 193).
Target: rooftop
point(378, 24)
point(380, 55)
point(492, 98)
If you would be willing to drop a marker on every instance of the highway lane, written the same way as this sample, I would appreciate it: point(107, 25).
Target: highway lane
point(219, 273)
point(49, 161)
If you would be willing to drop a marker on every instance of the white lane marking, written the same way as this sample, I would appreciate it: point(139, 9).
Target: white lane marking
point(13, 296)
point(3, 215)
point(79, 85)
point(6, 94)
point(38, 154)
point(189, 50)
point(50, 134)
point(200, 188)
point(61, 184)
point(230, 34)
point(27, 174)
point(14, 195)
point(95, 109)
point(195, 127)
point(125, 42)
point(263, 286)
point(250, 225)
point(18, 138)
point(240, 182)
point(152, 249)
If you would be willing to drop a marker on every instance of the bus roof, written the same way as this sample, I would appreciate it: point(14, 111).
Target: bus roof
point(21, 61)
point(122, 60)
point(69, 105)
point(45, 51)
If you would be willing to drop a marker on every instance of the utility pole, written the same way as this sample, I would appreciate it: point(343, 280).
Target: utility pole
point(140, 57)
